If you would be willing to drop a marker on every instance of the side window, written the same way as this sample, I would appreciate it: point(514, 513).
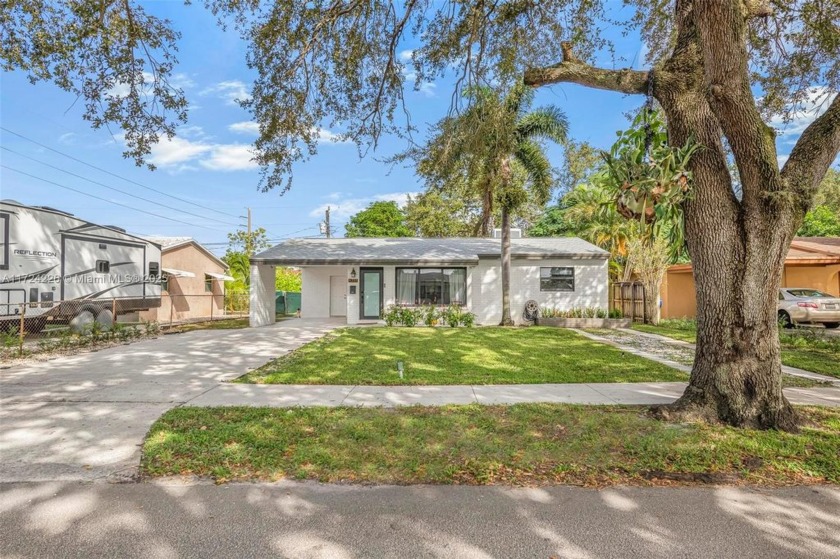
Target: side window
point(154, 269)
point(4, 241)
point(781, 296)
point(208, 284)
point(103, 266)
point(557, 279)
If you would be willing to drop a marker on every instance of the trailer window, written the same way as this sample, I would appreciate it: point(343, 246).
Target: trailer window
point(4, 241)
point(103, 266)
point(154, 269)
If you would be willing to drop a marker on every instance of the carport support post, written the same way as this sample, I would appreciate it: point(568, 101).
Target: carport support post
point(261, 311)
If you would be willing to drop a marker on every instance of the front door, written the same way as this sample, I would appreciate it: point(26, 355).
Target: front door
point(370, 307)
point(338, 295)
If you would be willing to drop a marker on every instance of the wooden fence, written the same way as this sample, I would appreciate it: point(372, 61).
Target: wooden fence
point(629, 298)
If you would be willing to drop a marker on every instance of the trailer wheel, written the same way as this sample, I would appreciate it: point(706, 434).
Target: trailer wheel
point(82, 322)
point(105, 318)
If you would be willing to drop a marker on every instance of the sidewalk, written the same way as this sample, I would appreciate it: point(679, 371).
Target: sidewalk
point(291, 395)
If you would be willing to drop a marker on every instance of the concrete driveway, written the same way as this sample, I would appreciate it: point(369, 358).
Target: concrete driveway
point(83, 417)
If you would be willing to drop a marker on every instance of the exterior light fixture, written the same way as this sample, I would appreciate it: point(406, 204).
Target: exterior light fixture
point(353, 273)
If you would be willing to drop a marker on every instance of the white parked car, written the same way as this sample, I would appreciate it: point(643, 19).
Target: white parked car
point(804, 305)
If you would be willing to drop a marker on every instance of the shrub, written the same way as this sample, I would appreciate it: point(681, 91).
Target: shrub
point(409, 317)
point(467, 319)
point(392, 314)
point(452, 315)
point(576, 312)
point(615, 313)
point(430, 315)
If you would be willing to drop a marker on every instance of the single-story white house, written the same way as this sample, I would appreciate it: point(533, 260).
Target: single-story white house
point(357, 278)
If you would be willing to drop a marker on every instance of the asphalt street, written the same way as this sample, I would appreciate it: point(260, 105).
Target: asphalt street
point(307, 520)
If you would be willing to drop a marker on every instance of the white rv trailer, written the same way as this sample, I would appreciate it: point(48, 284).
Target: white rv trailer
point(62, 267)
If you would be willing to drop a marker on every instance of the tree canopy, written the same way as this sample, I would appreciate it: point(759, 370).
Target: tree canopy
point(379, 219)
point(326, 62)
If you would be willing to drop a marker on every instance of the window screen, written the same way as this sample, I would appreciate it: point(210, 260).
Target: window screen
point(103, 266)
point(557, 279)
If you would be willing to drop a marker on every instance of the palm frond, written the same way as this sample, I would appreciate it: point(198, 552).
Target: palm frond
point(535, 162)
point(548, 123)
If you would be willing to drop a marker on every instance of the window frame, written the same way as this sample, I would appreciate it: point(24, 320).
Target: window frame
point(543, 288)
point(417, 269)
point(105, 265)
point(208, 284)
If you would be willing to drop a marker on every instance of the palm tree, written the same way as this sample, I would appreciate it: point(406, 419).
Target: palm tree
point(524, 158)
point(492, 152)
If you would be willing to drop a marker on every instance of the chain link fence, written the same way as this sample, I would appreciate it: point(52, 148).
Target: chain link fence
point(39, 326)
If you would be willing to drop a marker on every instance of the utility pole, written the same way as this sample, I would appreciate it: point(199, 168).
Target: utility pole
point(327, 223)
point(249, 246)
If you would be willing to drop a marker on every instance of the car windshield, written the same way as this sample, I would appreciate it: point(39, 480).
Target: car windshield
point(808, 293)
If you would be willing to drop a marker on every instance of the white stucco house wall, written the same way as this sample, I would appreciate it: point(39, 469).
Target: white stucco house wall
point(357, 278)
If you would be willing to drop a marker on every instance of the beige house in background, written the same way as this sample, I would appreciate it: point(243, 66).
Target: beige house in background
point(193, 282)
point(811, 262)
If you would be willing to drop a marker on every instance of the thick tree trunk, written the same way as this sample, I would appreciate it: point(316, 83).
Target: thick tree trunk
point(737, 246)
point(506, 319)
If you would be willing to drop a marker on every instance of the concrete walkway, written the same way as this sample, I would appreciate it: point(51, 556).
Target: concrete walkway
point(291, 395)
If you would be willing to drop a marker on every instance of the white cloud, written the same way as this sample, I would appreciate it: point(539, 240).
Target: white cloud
point(328, 137)
point(191, 131)
point(230, 157)
point(231, 91)
point(342, 209)
point(324, 135)
point(245, 127)
point(782, 159)
point(427, 89)
point(405, 55)
point(68, 139)
point(803, 113)
point(171, 153)
point(181, 154)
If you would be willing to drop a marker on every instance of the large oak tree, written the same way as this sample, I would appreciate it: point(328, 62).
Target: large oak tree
point(719, 68)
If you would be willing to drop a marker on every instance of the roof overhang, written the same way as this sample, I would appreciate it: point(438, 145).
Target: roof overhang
point(223, 277)
point(178, 273)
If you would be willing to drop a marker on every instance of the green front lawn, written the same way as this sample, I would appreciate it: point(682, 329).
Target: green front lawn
point(801, 349)
point(369, 356)
point(526, 444)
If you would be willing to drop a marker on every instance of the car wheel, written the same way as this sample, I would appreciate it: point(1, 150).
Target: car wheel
point(784, 320)
point(832, 325)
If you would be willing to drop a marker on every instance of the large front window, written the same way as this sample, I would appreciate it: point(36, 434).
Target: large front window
point(431, 286)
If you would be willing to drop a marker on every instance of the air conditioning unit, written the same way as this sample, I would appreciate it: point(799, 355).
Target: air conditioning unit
point(515, 233)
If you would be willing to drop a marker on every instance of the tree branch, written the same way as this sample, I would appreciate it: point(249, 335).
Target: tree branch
point(813, 154)
point(572, 70)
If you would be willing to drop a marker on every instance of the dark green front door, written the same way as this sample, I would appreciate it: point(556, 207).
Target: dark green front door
point(370, 305)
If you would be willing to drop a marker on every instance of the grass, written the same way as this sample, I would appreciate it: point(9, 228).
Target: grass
point(369, 356)
point(525, 444)
point(803, 349)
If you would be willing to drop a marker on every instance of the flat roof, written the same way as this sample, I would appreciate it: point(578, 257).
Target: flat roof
point(417, 250)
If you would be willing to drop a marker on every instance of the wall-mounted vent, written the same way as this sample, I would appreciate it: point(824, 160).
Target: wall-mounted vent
point(515, 233)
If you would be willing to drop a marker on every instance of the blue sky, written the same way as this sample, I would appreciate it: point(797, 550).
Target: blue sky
point(208, 162)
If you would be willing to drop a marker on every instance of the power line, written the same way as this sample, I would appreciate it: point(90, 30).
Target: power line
point(114, 174)
point(105, 199)
point(114, 189)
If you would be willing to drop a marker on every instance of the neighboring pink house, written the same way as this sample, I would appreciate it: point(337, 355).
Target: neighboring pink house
point(193, 282)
